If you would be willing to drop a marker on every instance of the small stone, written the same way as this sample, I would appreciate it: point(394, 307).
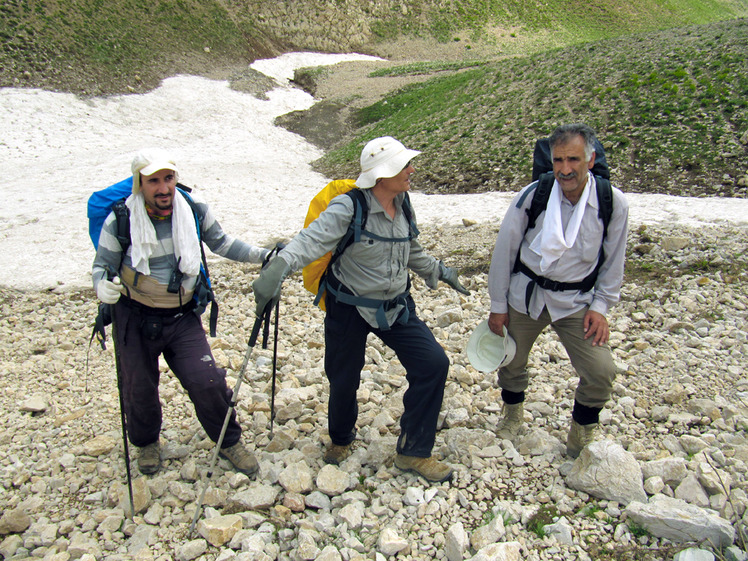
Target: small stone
point(35, 404)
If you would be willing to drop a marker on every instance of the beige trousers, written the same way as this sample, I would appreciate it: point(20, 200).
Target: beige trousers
point(594, 365)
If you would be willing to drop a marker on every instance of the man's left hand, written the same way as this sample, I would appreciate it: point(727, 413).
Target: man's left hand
point(596, 326)
point(267, 287)
point(449, 276)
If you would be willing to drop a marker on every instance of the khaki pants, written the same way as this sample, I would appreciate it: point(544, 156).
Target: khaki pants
point(594, 365)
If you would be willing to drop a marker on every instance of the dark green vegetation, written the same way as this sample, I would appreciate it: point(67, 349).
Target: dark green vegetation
point(664, 83)
point(545, 515)
point(671, 108)
point(100, 46)
point(104, 46)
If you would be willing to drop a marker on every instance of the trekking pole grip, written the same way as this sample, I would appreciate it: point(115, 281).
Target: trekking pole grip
point(256, 329)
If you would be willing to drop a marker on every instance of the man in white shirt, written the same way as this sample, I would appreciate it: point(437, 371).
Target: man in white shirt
point(554, 282)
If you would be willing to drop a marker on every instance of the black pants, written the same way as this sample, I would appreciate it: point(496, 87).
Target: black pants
point(185, 348)
point(424, 360)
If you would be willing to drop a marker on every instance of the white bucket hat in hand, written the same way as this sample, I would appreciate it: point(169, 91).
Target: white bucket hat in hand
point(147, 162)
point(488, 351)
point(383, 157)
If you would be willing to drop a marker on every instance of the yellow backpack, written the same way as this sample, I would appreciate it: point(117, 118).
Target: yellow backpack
point(314, 272)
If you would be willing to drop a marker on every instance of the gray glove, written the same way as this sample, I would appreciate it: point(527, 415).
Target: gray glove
point(267, 287)
point(449, 276)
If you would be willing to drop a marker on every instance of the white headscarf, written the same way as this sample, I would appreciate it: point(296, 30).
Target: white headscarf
point(552, 242)
point(142, 231)
point(183, 235)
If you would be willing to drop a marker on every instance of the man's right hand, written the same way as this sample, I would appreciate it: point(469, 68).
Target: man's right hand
point(109, 291)
point(497, 323)
point(267, 287)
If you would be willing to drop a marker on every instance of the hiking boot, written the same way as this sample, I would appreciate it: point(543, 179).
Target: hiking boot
point(242, 459)
point(579, 437)
point(336, 453)
point(149, 459)
point(428, 468)
point(512, 422)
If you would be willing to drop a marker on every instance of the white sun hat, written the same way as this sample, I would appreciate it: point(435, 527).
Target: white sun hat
point(147, 162)
point(383, 157)
point(488, 351)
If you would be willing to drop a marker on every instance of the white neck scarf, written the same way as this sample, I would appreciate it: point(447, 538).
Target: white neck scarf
point(552, 242)
point(144, 240)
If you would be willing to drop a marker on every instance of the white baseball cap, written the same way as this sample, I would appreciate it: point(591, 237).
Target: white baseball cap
point(383, 157)
point(147, 162)
point(487, 351)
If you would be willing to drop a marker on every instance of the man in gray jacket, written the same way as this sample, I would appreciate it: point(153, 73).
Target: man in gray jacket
point(368, 292)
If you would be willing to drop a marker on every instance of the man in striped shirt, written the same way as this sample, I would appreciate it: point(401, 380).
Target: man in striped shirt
point(151, 286)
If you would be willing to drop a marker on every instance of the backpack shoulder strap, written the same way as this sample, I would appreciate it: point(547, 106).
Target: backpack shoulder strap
point(122, 219)
point(213, 321)
point(408, 212)
point(542, 193)
point(605, 200)
point(360, 215)
point(357, 225)
point(193, 205)
point(184, 190)
point(529, 191)
point(352, 233)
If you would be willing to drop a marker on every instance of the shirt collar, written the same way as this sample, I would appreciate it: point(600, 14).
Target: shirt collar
point(375, 206)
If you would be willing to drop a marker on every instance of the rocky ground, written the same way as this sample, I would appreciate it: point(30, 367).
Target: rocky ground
point(669, 470)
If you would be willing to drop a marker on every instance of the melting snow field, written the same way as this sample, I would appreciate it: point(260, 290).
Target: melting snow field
point(56, 149)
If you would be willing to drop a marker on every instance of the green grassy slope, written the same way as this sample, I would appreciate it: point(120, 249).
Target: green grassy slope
point(99, 46)
point(671, 108)
point(95, 46)
point(572, 21)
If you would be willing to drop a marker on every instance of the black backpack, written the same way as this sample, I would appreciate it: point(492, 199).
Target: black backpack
point(543, 178)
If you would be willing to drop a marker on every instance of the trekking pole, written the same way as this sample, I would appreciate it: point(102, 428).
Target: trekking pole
point(275, 365)
point(250, 346)
point(122, 410)
point(278, 247)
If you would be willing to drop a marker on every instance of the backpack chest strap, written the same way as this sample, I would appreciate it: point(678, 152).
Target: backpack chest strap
point(377, 237)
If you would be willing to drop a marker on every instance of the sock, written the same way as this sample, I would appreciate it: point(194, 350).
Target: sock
point(585, 415)
point(512, 398)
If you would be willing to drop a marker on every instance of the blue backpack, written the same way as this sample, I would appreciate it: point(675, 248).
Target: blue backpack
point(112, 199)
point(101, 203)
